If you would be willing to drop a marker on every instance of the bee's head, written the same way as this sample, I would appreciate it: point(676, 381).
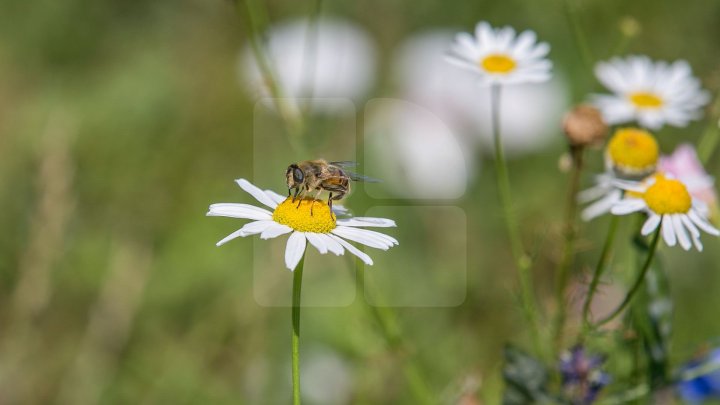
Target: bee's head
point(294, 176)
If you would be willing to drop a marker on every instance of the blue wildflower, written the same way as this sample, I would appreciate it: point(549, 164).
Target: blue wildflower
point(704, 383)
point(582, 377)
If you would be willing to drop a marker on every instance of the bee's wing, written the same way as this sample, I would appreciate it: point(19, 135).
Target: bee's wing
point(363, 178)
point(344, 163)
point(353, 176)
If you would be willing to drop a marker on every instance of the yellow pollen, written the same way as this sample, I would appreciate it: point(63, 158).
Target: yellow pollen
point(498, 63)
point(645, 99)
point(633, 149)
point(667, 196)
point(299, 217)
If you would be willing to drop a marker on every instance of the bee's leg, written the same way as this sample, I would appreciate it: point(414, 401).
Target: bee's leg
point(313, 201)
point(299, 196)
point(289, 191)
point(330, 201)
point(297, 191)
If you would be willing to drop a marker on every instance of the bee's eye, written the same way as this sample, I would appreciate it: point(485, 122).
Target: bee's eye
point(298, 175)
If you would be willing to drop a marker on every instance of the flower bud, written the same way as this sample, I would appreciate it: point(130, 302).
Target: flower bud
point(584, 126)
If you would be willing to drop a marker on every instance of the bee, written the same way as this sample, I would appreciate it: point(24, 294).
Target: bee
point(320, 175)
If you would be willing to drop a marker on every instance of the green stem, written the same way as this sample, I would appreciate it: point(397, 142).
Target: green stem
point(570, 230)
point(293, 121)
point(387, 321)
point(580, 39)
point(600, 268)
point(522, 260)
point(310, 52)
point(711, 137)
point(638, 282)
point(296, 295)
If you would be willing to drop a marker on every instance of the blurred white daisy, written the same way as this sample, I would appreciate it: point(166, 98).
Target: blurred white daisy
point(500, 56)
point(631, 154)
point(530, 111)
point(305, 220)
point(651, 93)
point(336, 61)
point(419, 155)
point(669, 205)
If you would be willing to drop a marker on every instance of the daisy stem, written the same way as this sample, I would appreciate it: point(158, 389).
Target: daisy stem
point(638, 282)
point(579, 34)
point(253, 18)
point(599, 268)
point(522, 260)
point(570, 230)
point(710, 138)
point(297, 289)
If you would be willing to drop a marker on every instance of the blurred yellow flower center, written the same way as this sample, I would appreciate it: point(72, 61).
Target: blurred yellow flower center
point(644, 99)
point(667, 196)
point(634, 149)
point(309, 216)
point(498, 63)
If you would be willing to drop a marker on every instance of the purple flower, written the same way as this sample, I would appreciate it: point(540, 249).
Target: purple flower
point(582, 377)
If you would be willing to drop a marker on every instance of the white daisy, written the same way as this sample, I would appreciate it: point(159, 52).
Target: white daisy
point(631, 154)
point(501, 57)
point(306, 221)
point(669, 205)
point(529, 114)
point(651, 93)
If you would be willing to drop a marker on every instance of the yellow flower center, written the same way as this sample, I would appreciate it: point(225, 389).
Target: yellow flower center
point(667, 196)
point(645, 99)
point(498, 63)
point(633, 149)
point(309, 216)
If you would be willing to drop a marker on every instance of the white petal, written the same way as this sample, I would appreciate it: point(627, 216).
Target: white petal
point(331, 244)
point(690, 226)
point(352, 249)
point(367, 221)
point(628, 206)
point(668, 231)
point(294, 250)
point(277, 198)
point(651, 224)
point(366, 237)
point(702, 224)
point(256, 192)
point(601, 206)
point(275, 230)
point(681, 232)
point(243, 211)
point(317, 241)
point(250, 228)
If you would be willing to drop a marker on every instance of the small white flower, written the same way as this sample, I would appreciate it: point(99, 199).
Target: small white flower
point(651, 93)
point(305, 221)
point(501, 57)
point(669, 205)
point(528, 117)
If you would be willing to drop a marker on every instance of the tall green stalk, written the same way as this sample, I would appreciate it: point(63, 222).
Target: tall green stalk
point(522, 260)
point(600, 268)
point(570, 231)
point(252, 17)
point(296, 296)
point(638, 282)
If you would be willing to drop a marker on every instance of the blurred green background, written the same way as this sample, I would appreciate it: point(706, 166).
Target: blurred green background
point(121, 121)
